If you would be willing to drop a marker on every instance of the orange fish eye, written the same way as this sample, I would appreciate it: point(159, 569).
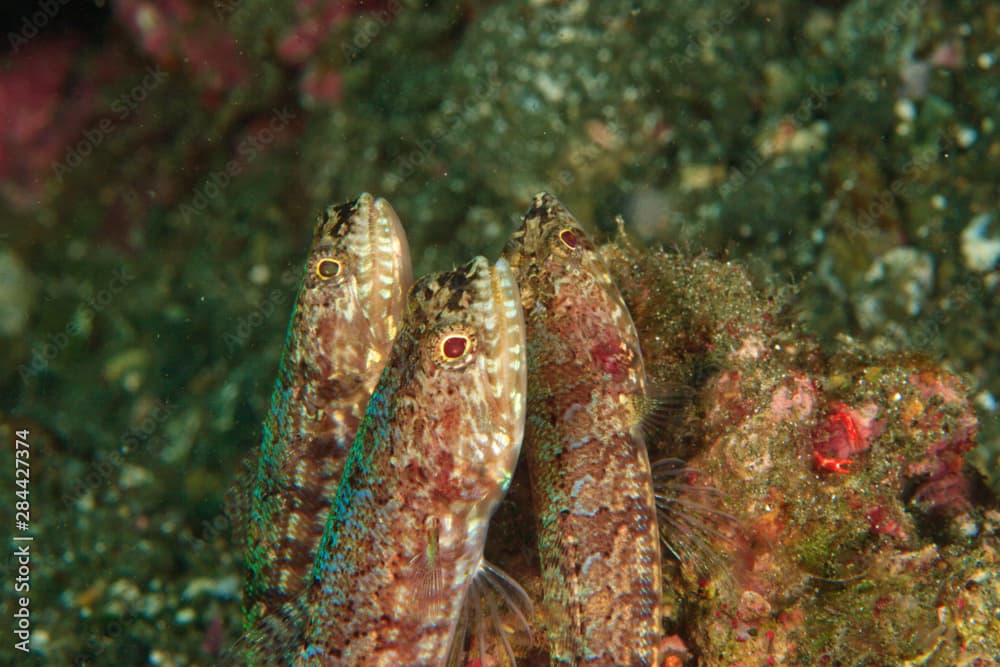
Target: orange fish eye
point(328, 268)
point(569, 238)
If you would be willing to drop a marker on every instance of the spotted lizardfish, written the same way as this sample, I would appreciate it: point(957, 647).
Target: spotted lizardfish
point(346, 315)
point(590, 475)
point(432, 459)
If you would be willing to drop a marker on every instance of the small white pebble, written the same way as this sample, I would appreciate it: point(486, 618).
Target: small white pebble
point(986, 401)
point(85, 503)
point(184, 616)
point(905, 110)
point(39, 641)
point(227, 588)
point(132, 381)
point(981, 252)
point(968, 527)
point(967, 136)
point(259, 274)
point(981, 576)
point(133, 476)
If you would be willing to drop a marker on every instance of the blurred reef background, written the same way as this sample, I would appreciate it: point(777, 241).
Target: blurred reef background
point(161, 165)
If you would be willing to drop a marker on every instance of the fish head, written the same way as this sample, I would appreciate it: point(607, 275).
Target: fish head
point(577, 318)
point(354, 291)
point(463, 397)
point(550, 249)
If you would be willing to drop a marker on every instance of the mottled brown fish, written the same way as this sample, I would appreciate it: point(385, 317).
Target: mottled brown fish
point(346, 314)
point(432, 459)
point(590, 476)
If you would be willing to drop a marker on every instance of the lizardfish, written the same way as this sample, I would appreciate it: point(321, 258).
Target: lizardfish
point(346, 315)
point(590, 476)
point(432, 459)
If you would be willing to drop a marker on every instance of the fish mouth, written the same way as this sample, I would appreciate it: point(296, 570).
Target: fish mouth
point(391, 265)
point(383, 270)
point(504, 355)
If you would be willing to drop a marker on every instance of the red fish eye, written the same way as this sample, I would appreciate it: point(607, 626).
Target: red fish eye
point(453, 347)
point(328, 268)
point(569, 238)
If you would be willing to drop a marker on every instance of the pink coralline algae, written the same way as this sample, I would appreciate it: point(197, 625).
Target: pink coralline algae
point(316, 19)
point(941, 411)
point(30, 95)
point(43, 113)
point(304, 44)
point(844, 433)
point(176, 35)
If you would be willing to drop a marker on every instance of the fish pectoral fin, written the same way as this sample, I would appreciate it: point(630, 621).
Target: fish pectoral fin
point(274, 638)
point(495, 611)
point(692, 526)
point(428, 564)
point(658, 407)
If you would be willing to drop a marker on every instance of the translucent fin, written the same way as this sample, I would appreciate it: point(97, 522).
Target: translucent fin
point(660, 405)
point(457, 649)
point(239, 497)
point(493, 600)
point(691, 526)
point(274, 640)
point(428, 564)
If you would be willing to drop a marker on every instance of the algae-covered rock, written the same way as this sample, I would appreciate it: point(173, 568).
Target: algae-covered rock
point(860, 534)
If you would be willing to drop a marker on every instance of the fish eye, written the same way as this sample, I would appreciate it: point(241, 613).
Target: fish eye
point(455, 348)
point(569, 238)
point(567, 241)
point(329, 268)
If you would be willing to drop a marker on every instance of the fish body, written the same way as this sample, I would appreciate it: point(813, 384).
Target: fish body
point(590, 476)
point(432, 459)
point(346, 314)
